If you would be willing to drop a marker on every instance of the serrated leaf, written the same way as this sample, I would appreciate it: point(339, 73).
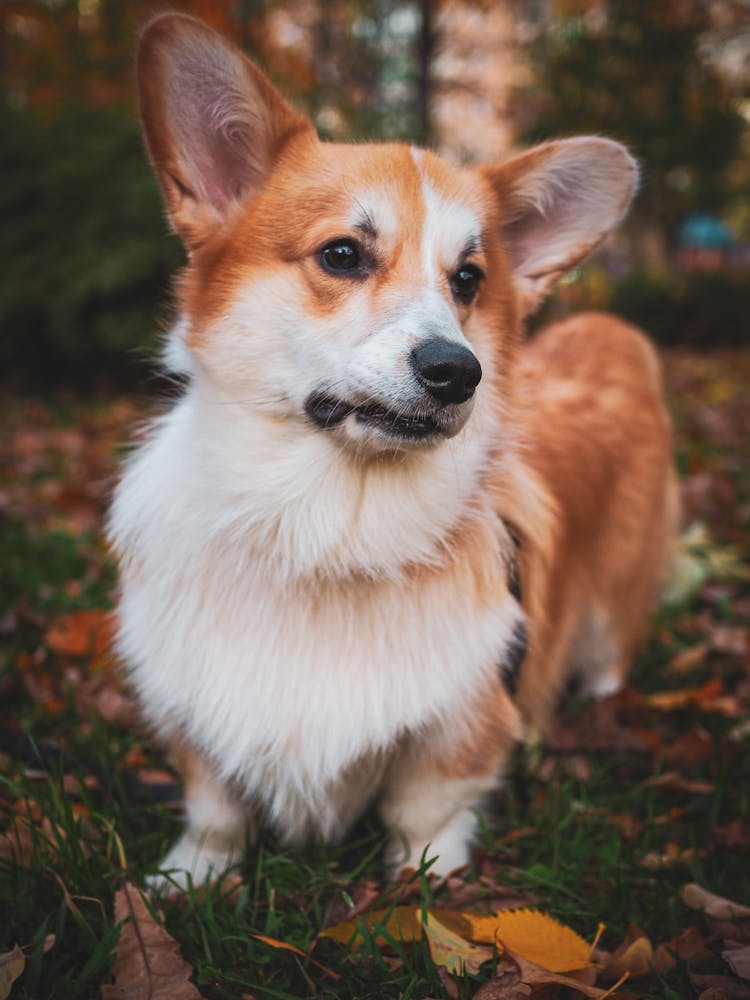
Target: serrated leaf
point(448, 949)
point(534, 936)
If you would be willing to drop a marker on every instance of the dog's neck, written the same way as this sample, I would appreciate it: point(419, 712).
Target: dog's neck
point(307, 506)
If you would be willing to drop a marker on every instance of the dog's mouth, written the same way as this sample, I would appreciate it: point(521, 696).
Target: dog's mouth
point(327, 412)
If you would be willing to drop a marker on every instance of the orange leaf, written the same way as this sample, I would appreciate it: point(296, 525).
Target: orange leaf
point(275, 943)
point(81, 633)
point(534, 936)
point(450, 950)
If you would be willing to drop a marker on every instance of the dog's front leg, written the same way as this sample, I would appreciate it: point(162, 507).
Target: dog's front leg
point(435, 789)
point(215, 832)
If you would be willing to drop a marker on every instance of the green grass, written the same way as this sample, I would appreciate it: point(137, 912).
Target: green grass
point(557, 832)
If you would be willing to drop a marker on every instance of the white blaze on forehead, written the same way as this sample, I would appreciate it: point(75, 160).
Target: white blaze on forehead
point(376, 207)
point(449, 228)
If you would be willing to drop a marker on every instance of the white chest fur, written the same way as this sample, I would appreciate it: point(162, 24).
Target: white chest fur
point(266, 615)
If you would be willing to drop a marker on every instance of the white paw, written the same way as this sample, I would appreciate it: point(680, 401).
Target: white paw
point(447, 851)
point(190, 862)
point(601, 685)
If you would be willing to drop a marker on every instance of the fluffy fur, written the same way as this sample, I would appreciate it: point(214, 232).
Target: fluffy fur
point(317, 613)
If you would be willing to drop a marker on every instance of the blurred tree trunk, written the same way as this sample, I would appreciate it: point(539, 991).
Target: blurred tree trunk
point(426, 44)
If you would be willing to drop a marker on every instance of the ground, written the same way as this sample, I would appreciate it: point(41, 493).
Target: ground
point(626, 803)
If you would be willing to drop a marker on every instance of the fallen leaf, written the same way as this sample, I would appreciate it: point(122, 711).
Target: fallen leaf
point(674, 780)
point(534, 975)
point(689, 946)
point(596, 728)
point(717, 907)
point(81, 634)
point(12, 964)
point(633, 955)
point(284, 946)
point(689, 658)
point(399, 922)
point(148, 964)
point(731, 988)
point(739, 960)
point(506, 985)
point(449, 950)
point(534, 935)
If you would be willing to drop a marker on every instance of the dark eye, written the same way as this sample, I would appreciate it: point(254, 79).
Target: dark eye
point(341, 255)
point(465, 283)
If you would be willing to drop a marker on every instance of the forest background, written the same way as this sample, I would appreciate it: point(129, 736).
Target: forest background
point(86, 258)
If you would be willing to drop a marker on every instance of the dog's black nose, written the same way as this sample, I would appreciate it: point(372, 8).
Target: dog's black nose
point(448, 371)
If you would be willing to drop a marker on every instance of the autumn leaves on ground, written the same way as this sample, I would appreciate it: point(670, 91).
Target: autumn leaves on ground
point(617, 861)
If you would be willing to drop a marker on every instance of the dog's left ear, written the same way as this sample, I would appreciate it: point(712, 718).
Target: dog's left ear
point(557, 201)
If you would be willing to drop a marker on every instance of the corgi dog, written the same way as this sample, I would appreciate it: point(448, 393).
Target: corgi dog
point(380, 532)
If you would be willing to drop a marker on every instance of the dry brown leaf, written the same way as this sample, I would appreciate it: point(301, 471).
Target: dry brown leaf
point(689, 946)
point(716, 907)
point(731, 988)
point(148, 964)
point(687, 659)
point(12, 964)
point(597, 728)
point(675, 781)
point(535, 975)
point(739, 960)
point(708, 697)
point(534, 935)
point(506, 985)
point(449, 950)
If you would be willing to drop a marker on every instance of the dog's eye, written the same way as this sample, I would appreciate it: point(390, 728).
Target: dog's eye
point(341, 255)
point(465, 283)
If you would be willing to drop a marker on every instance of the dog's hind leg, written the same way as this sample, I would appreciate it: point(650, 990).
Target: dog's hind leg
point(597, 659)
point(217, 826)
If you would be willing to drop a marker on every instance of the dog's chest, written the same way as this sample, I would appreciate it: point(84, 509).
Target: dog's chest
point(290, 684)
point(304, 680)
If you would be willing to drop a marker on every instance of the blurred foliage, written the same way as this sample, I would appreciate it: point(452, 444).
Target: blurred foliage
point(639, 71)
point(87, 256)
point(85, 248)
point(701, 309)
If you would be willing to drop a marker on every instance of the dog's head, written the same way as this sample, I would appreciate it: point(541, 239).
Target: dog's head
point(363, 289)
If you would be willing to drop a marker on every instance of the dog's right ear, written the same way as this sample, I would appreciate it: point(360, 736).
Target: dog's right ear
point(214, 124)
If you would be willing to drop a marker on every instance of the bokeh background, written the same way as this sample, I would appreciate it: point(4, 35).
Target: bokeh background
point(87, 258)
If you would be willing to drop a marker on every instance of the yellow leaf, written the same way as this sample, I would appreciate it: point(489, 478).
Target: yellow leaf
point(450, 950)
point(535, 936)
point(399, 922)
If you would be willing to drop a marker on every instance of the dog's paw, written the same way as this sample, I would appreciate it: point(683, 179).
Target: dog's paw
point(190, 863)
point(444, 854)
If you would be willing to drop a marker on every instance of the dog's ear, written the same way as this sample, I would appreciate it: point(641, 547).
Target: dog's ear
point(213, 123)
point(556, 202)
